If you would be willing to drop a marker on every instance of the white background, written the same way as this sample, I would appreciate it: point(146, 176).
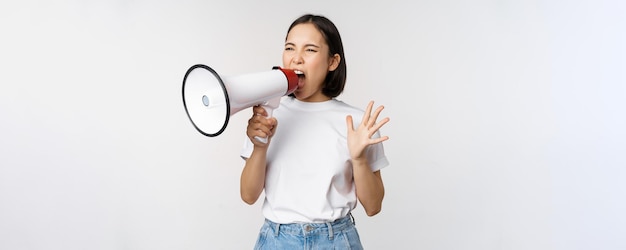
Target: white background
point(507, 121)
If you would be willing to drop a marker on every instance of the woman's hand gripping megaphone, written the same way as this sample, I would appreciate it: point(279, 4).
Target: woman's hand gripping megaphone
point(268, 107)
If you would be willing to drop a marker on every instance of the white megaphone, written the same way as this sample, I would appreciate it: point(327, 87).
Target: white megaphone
point(210, 100)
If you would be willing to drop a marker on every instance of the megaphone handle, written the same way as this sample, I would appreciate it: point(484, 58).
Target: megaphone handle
point(269, 107)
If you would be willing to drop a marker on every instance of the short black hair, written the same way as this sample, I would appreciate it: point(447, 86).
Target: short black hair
point(335, 80)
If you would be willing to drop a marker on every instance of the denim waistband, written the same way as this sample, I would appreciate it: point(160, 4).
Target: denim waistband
point(308, 229)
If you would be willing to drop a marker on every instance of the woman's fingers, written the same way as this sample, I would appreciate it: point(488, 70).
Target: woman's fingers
point(368, 111)
point(259, 125)
point(259, 111)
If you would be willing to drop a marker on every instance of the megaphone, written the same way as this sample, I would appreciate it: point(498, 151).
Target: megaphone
point(210, 100)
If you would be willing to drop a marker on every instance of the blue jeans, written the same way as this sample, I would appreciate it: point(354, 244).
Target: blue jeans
point(340, 234)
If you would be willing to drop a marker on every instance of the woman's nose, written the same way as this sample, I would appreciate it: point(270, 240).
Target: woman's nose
point(297, 59)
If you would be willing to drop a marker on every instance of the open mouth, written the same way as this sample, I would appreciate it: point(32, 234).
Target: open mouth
point(300, 78)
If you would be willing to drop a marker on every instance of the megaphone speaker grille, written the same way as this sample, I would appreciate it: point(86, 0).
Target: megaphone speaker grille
point(206, 100)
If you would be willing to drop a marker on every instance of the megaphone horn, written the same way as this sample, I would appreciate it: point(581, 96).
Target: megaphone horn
point(211, 100)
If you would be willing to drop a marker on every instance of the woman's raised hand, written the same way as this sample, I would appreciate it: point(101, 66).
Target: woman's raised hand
point(361, 136)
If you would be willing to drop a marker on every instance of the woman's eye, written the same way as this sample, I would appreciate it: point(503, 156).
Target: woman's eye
point(311, 50)
point(288, 49)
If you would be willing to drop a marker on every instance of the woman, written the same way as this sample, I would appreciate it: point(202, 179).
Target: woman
point(317, 162)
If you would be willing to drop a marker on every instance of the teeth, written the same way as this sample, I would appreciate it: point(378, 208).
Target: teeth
point(298, 72)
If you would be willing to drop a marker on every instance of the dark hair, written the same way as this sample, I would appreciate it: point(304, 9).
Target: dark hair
point(335, 80)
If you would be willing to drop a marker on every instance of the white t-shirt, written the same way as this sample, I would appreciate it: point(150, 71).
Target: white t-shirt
point(309, 172)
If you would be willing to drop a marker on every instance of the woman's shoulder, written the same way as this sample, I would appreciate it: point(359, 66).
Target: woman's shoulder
point(332, 105)
point(347, 107)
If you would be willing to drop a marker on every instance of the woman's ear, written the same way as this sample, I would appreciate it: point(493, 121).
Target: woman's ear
point(334, 62)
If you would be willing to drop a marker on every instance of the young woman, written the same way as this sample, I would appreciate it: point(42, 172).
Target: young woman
point(318, 161)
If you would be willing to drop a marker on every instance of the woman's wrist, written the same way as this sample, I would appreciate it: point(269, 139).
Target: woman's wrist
point(359, 161)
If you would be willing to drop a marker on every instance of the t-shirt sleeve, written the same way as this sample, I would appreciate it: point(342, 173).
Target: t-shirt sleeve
point(246, 151)
point(376, 155)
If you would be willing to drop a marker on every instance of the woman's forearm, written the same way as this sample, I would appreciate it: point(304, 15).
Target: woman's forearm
point(369, 187)
point(253, 177)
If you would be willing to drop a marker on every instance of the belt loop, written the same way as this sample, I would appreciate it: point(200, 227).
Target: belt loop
point(352, 219)
point(276, 229)
point(330, 230)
